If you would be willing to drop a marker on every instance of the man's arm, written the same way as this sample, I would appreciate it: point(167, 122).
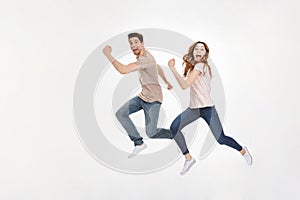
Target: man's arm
point(122, 69)
point(163, 77)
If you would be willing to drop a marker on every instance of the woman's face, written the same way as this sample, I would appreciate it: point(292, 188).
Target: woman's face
point(199, 52)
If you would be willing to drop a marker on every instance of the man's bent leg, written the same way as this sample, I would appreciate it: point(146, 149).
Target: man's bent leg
point(132, 106)
point(151, 111)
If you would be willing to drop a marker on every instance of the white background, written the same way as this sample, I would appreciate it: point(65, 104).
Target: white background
point(254, 44)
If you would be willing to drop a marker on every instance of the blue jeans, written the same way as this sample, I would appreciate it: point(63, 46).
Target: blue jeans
point(151, 111)
point(211, 117)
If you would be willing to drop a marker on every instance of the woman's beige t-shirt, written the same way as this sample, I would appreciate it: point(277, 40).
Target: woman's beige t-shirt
point(200, 91)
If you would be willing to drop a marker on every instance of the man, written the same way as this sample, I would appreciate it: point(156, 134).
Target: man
point(149, 99)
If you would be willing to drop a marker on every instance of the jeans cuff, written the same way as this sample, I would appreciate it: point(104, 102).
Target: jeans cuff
point(138, 142)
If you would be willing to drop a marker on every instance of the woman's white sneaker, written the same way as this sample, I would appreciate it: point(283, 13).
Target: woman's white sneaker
point(187, 165)
point(248, 156)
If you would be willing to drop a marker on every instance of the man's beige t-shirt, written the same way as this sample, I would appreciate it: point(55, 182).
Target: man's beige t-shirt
point(148, 77)
point(200, 95)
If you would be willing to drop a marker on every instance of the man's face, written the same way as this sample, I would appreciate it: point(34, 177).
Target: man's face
point(136, 45)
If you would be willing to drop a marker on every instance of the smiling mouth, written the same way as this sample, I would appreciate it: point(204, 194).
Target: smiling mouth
point(135, 51)
point(198, 56)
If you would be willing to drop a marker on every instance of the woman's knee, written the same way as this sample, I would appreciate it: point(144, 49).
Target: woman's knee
point(174, 127)
point(221, 140)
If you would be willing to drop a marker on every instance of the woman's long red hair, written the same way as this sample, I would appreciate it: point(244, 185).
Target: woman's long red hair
point(189, 60)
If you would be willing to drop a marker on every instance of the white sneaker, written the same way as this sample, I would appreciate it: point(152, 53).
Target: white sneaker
point(248, 157)
point(187, 165)
point(137, 149)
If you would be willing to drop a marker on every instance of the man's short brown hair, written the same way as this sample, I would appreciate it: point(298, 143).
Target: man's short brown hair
point(138, 35)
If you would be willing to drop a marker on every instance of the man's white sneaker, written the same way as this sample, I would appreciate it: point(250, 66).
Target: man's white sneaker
point(248, 157)
point(187, 165)
point(137, 149)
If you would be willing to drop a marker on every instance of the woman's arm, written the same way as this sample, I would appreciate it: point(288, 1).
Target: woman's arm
point(183, 83)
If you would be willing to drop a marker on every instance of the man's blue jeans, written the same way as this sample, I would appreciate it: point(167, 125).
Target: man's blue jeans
point(151, 111)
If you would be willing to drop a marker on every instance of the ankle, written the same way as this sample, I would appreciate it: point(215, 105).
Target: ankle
point(188, 157)
point(243, 151)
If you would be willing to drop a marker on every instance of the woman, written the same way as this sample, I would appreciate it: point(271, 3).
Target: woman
point(198, 73)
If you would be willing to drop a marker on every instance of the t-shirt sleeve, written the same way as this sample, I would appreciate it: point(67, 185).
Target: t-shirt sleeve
point(200, 67)
point(144, 62)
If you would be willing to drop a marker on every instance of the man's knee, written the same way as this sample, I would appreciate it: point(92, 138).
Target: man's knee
point(151, 133)
point(121, 114)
